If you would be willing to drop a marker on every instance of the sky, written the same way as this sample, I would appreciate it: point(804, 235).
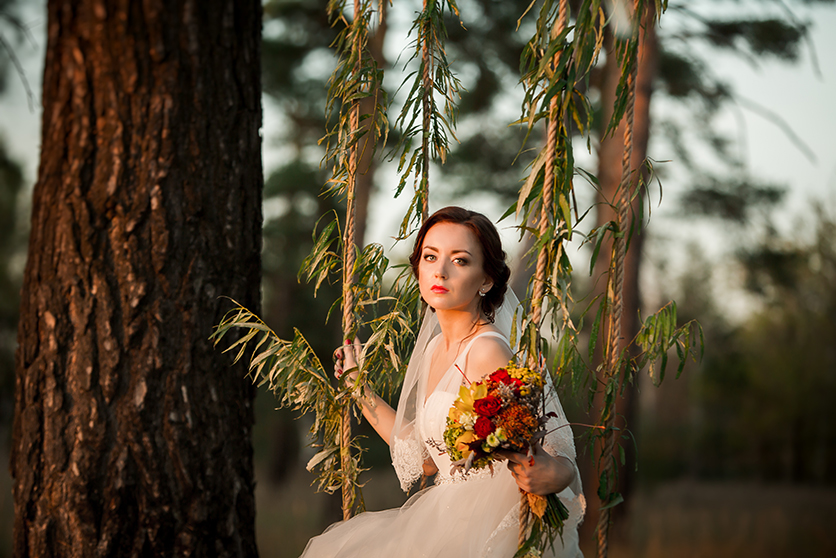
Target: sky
point(801, 95)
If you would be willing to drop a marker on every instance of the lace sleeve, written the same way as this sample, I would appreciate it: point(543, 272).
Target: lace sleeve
point(408, 455)
point(560, 442)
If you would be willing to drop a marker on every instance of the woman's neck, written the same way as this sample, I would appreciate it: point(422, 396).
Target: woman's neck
point(457, 325)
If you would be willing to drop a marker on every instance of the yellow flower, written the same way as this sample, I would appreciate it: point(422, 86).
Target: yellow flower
point(467, 395)
point(460, 442)
point(464, 402)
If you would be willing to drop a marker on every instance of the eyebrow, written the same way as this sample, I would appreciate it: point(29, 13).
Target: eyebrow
point(454, 251)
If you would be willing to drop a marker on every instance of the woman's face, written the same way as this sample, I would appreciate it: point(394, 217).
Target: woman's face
point(450, 272)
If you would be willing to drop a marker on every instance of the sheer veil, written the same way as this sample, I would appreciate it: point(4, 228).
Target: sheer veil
point(409, 451)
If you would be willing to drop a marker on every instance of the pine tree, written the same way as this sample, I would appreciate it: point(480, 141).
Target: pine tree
point(131, 436)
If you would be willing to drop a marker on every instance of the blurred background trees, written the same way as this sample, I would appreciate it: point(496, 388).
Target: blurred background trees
point(12, 242)
point(13, 225)
point(764, 393)
point(711, 171)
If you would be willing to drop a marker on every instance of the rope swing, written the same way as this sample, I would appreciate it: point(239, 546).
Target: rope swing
point(349, 324)
point(554, 121)
point(615, 288)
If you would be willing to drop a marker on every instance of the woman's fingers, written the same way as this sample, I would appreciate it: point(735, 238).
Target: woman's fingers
point(524, 468)
point(510, 456)
point(539, 472)
point(517, 458)
point(345, 357)
point(352, 351)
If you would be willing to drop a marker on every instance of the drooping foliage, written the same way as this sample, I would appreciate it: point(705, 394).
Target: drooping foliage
point(304, 383)
point(432, 80)
point(556, 66)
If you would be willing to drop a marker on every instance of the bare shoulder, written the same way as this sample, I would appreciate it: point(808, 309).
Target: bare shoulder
point(488, 353)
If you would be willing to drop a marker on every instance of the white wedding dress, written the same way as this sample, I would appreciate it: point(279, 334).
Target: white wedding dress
point(471, 516)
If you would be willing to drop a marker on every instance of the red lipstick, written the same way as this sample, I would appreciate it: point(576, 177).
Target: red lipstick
point(438, 289)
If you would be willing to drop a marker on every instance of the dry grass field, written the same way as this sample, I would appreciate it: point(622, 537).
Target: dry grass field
point(722, 520)
point(674, 520)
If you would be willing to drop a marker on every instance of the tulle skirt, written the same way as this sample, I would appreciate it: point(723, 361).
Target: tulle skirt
point(475, 518)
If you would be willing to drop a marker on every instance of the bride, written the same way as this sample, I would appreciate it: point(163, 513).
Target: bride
point(463, 277)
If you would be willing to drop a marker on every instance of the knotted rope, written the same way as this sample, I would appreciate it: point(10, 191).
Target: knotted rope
point(616, 285)
point(426, 107)
point(539, 293)
point(349, 259)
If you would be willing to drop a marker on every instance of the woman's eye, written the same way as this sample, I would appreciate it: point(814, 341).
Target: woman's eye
point(460, 261)
point(429, 257)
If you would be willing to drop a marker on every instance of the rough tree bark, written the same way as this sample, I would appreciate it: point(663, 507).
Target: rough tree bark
point(131, 434)
point(610, 151)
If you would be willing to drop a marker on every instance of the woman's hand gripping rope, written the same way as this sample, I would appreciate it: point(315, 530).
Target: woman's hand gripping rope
point(346, 362)
point(539, 472)
point(345, 359)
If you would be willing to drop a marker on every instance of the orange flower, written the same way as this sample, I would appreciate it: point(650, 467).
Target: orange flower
point(517, 422)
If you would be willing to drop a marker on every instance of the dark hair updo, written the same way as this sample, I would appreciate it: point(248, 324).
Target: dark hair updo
point(493, 256)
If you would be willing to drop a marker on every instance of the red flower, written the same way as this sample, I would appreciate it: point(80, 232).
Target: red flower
point(483, 427)
point(487, 406)
point(501, 375)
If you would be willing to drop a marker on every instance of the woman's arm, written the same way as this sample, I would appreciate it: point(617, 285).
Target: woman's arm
point(377, 411)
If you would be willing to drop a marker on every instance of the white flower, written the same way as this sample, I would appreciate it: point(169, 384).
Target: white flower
point(467, 420)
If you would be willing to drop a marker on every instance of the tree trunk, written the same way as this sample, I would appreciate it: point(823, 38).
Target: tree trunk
point(367, 162)
point(610, 151)
point(131, 434)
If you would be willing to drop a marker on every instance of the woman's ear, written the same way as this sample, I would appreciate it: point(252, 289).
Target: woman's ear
point(486, 286)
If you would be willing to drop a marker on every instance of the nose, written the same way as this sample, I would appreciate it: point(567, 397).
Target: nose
point(440, 272)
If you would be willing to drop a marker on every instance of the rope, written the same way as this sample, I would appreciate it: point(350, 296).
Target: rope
point(538, 296)
point(349, 259)
point(548, 202)
point(563, 16)
point(617, 279)
point(525, 514)
point(426, 107)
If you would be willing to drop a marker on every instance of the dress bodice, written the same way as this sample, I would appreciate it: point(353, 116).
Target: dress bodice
point(432, 418)
point(432, 423)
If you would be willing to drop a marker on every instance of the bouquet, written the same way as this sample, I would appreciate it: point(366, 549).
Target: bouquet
point(505, 411)
point(501, 412)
